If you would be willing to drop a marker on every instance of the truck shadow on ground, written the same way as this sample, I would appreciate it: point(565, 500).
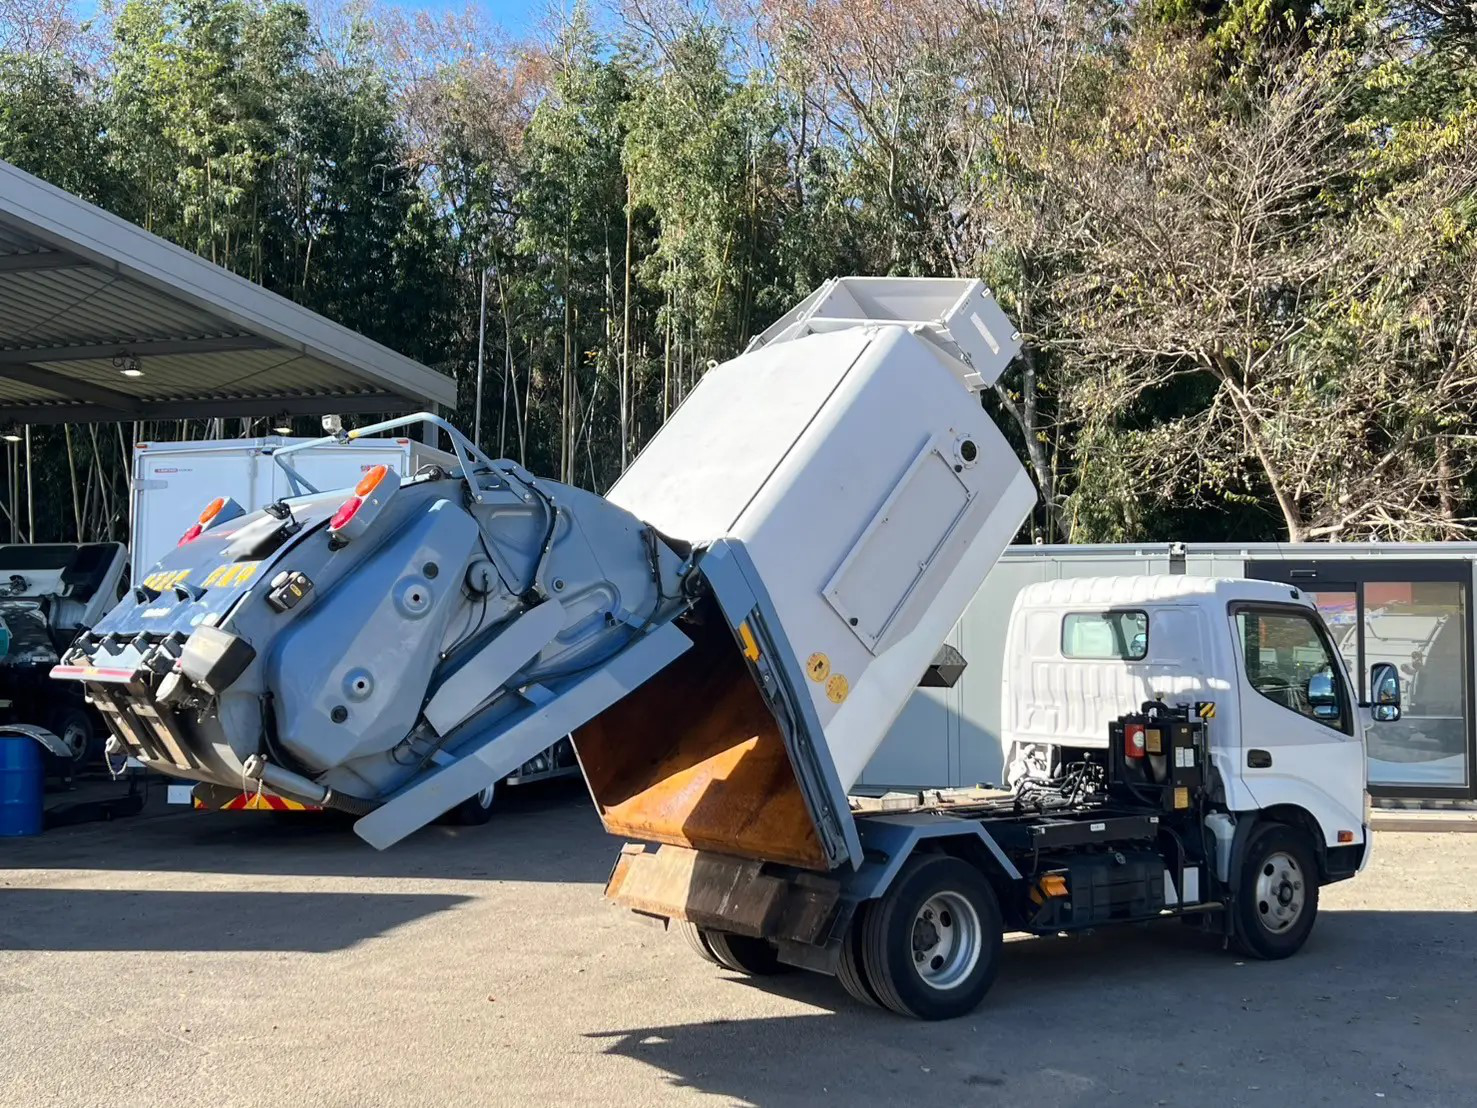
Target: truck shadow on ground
point(1379, 1002)
point(545, 831)
point(206, 920)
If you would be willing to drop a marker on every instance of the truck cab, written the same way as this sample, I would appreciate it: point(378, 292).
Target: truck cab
point(1285, 729)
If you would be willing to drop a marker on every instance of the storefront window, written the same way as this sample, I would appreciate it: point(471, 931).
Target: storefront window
point(1418, 627)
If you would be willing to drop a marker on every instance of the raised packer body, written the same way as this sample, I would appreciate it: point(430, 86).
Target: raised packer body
point(729, 633)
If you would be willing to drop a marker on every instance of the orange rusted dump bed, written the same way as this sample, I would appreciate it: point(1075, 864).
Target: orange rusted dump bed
point(695, 758)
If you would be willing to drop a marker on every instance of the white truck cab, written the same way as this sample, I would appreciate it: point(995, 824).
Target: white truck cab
point(1286, 735)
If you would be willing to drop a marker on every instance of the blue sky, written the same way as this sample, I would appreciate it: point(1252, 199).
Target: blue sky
point(518, 17)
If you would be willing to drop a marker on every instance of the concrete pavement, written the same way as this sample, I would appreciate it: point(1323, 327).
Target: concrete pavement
point(242, 959)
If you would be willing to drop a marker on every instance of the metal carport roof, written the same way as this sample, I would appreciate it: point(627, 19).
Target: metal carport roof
point(85, 296)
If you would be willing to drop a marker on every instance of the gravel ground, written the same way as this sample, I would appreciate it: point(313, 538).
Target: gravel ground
point(241, 959)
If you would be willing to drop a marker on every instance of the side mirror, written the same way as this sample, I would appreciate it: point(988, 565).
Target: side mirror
point(1384, 692)
point(1321, 696)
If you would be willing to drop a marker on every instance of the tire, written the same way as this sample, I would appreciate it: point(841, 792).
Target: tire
point(743, 954)
point(75, 728)
point(476, 810)
point(698, 941)
point(849, 969)
point(1277, 893)
point(931, 945)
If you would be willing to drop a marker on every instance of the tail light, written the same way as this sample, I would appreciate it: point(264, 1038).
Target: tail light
point(355, 514)
point(218, 510)
point(1135, 740)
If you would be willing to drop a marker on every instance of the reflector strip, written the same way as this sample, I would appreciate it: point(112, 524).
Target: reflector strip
point(117, 675)
point(261, 802)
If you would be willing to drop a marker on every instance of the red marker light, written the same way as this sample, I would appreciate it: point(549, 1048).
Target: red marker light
point(212, 510)
point(345, 512)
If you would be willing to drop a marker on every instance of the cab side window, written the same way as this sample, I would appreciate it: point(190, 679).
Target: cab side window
point(1288, 660)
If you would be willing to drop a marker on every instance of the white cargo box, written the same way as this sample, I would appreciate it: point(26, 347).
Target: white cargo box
point(174, 481)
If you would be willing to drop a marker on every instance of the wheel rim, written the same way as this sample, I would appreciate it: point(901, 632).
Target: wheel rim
point(947, 938)
point(1280, 892)
point(75, 739)
point(486, 796)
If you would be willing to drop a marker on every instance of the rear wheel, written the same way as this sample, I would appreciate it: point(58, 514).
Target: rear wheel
point(476, 810)
point(698, 941)
point(849, 968)
point(1277, 897)
point(931, 945)
point(743, 954)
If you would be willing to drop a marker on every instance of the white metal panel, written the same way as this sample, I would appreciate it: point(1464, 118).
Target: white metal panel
point(696, 477)
point(1050, 698)
point(799, 447)
point(879, 576)
point(174, 481)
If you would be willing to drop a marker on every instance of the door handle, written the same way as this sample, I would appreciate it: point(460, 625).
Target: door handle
point(1259, 759)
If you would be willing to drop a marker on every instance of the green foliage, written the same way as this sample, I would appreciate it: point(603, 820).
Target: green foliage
point(1240, 236)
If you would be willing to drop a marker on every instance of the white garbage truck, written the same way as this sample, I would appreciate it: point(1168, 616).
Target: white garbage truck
point(729, 634)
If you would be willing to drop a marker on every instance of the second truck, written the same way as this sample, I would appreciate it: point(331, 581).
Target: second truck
point(729, 634)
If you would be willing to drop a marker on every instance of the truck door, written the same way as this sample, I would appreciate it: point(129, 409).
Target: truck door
point(1300, 739)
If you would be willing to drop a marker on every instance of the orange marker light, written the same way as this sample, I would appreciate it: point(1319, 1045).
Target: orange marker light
point(212, 510)
point(370, 481)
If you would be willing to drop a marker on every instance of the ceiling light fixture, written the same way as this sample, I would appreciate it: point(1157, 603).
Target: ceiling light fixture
point(127, 365)
point(282, 423)
point(10, 433)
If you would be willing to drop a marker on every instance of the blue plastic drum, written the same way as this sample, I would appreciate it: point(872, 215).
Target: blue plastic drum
point(22, 786)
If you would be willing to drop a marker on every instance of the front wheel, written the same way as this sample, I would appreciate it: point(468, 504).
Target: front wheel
point(931, 945)
point(1277, 893)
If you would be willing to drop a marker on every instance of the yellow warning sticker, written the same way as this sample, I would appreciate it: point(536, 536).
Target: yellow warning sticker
point(161, 581)
point(1205, 709)
point(818, 667)
point(837, 688)
point(231, 573)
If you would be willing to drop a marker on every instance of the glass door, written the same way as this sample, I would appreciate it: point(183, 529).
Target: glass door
point(1417, 617)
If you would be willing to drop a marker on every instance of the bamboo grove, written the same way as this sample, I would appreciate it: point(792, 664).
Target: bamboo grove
point(1237, 234)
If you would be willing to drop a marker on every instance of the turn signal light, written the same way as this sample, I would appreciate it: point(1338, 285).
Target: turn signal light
point(1346, 836)
point(370, 481)
point(212, 510)
point(1135, 741)
point(356, 514)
